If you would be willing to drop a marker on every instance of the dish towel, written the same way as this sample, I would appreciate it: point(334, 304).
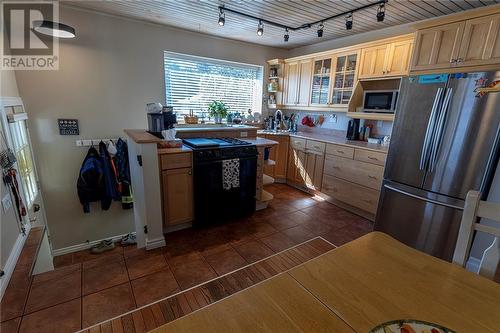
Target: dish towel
point(230, 174)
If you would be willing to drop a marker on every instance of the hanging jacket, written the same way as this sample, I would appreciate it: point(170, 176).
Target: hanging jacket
point(90, 183)
point(110, 182)
point(14, 187)
point(123, 174)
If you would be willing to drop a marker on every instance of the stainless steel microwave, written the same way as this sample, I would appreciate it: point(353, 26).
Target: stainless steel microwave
point(380, 101)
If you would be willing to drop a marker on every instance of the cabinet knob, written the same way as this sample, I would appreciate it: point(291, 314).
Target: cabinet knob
point(372, 177)
point(452, 61)
point(460, 60)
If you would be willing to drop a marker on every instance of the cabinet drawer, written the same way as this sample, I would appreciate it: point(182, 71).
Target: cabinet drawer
point(366, 174)
point(370, 156)
point(316, 146)
point(175, 161)
point(298, 143)
point(352, 194)
point(337, 150)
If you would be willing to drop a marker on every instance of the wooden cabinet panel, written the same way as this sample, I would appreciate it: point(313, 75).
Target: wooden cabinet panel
point(398, 59)
point(175, 161)
point(370, 156)
point(304, 86)
point(316, 146)
point(270, 169)
point(292, 82)
point(177, 187)
point(437, 47)
point(281, 157)
point(298, 143)
point(338, 150)
point(366, 174)
point(352, 194)
point(314, 170)
point(373, 61)
point(300, 167)
point(480, 43)
point(291, 168)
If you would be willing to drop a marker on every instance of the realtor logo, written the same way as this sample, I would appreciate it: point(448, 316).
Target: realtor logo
point(22, 47)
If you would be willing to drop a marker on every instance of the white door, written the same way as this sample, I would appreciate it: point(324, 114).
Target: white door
point(15, 125)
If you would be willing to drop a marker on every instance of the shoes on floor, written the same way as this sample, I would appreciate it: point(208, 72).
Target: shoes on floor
point(103, 246)
point(129, 239)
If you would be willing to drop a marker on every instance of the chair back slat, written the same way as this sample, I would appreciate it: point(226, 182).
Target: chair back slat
point(489, 210)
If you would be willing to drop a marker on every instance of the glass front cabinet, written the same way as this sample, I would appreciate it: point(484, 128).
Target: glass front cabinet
point(320, 89)
point(343, 78)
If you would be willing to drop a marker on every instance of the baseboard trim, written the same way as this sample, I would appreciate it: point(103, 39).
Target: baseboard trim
point(12, 260)
point(83, 246)
point(155, 243)
point(472, 265)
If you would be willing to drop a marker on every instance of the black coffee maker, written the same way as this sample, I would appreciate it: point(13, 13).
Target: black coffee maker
point(159, 121)
point(353, 129)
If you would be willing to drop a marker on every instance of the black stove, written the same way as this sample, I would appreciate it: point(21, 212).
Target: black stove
point(212, 203)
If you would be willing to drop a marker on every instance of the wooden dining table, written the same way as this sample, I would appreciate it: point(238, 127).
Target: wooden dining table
point(354, 288)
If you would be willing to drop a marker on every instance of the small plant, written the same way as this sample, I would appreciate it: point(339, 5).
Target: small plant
point(218, 109)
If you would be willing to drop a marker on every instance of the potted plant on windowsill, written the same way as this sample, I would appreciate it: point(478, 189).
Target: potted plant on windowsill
point(218, 110)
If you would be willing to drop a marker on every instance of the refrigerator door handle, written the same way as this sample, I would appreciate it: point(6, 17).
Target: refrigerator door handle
point(439, 127)
point(430, 129)
point(440, 203)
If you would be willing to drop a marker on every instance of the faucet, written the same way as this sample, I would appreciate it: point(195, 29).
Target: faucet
point(278, 116)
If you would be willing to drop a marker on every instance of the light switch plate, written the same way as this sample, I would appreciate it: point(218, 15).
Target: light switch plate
point(243, 134)
point(6, 203)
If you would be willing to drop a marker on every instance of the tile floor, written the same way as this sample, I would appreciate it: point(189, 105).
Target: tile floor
point(86, 289)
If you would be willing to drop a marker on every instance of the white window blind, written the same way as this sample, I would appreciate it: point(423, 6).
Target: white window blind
point(191, 83)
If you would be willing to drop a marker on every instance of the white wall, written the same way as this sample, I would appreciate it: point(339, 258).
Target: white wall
point(107, 75)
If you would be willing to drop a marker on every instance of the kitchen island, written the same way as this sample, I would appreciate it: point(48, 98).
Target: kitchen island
point(163, 185)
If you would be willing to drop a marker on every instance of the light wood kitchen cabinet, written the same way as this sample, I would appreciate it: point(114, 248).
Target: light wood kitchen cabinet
point(304, 86)
point(292, 81)
point(386, 60)
point(320, 88)
point(296, 170)
point(343, 78)
point(278, 154)
point(314, 169)
point(480, 43)
point(362, 173)
point(437, 47)
point(177, 187)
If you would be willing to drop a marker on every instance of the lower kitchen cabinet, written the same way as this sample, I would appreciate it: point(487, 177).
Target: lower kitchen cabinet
point(278, 154)
point(177, 189)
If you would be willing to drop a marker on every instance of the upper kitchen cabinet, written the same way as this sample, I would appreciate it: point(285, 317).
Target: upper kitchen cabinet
point(480, 42)
point(437, 47)
point(343, 78)
point(467, 43)
point(320, 89)
point(298, 82)
point(385, 60)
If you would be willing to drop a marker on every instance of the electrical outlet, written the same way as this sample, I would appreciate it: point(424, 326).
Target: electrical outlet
point(380, 123)
point(6, 203)
point(333, 118)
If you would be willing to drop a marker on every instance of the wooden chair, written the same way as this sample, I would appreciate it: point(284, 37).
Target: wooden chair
point(473, 209)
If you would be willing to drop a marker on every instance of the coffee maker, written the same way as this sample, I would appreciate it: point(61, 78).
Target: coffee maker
point(159, 121)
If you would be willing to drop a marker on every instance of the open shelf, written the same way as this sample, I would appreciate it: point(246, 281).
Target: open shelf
point(270, 162)
point(371, 116)
point(267, 180)
point(266, 196)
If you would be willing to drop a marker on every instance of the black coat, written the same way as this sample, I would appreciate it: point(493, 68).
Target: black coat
point(90, 184)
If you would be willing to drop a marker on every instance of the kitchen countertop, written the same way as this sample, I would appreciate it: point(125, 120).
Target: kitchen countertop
point(212, 127)
point(332, 139)
point(259, 142)
point(141, 136)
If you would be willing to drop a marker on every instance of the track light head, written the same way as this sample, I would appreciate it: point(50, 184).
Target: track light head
point(381, 13)
point(222, 17)
point(348, 22)
point(320, 30)
point(286, 36)
point(260, 28)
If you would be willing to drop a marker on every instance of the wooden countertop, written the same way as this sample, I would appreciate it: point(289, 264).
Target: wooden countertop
point(141, 136)
point(354, 288)
point(259, 142)
point(333, 139)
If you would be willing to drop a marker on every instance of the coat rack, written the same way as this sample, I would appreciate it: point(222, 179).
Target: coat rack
point(95, 142)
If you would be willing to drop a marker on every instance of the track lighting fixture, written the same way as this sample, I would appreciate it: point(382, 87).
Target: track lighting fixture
point(381, 12)
point(348, 22)
point(320, 30)
point(348, 15)
point(222, 17)
point(260, 28)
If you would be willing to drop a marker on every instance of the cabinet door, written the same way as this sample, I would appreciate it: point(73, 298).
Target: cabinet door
point(177, 186)
point(480, 42)
point(320, 86)
point(305, 76)
point(398, 59)
point(373, 61)
point(300, 167)
point(314, 170)
point(281, 157)
point(437, 47)
point(291, 165)
point(343, 79)
point(292, 81)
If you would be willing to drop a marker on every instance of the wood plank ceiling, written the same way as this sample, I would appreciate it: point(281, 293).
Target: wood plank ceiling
point(202, 16)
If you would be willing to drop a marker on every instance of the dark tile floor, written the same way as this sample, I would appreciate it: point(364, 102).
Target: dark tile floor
point(86, 289)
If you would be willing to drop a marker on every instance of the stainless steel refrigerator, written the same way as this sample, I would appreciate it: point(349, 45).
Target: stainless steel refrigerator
point(445, 142)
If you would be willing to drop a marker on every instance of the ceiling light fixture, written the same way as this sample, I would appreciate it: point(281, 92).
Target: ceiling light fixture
point(320, 30)
point(54, 29)
point(260, 28)
point(381, 12)
point(222, 17)
point(348, 15)
point(286, 36)
point(348, 22)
